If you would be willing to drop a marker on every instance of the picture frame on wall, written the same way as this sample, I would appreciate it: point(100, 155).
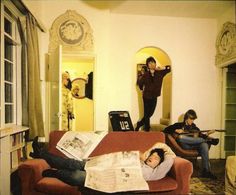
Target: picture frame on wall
point(141, 69)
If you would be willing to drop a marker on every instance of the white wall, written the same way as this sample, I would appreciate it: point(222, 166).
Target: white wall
point(190, 44)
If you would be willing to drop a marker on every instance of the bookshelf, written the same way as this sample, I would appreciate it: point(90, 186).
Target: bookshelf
point(230, 110)
point(12, 153)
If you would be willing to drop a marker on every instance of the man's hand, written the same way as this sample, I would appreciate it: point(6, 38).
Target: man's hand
point(168, 67)
point(211, 131)
point(179, 131)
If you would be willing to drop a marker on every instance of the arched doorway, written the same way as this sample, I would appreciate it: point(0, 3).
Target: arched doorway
point(162, 114)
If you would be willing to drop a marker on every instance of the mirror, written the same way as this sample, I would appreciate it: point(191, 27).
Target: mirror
point(78, 88)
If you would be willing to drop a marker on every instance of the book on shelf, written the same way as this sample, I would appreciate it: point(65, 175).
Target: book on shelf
point(14, 159)
point(17, 139)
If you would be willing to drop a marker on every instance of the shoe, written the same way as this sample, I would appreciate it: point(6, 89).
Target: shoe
point(37, 150)
point(213, 141)
point(33, 155)
point(138, 126)
point(208, 174)
point(146, 128)
point(50, 173)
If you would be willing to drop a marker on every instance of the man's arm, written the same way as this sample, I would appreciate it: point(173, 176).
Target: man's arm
point(165, 147)
point(165, 70)
point(171, 129)
point(161, 170)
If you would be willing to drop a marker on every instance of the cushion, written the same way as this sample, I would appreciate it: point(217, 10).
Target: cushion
point(49, 185)
point(165, 184)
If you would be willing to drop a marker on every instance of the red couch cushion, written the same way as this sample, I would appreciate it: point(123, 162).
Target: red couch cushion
point(165, 184)
point(54, 186)
point(54, 138)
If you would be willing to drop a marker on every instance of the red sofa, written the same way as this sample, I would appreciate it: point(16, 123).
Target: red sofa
point(176, 182)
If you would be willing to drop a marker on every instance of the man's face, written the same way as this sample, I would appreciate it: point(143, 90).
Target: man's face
point(189, 121)
point(153, 160)
point(152, 65)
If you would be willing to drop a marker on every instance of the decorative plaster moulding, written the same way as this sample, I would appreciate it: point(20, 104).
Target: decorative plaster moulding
point(226, 45)
point(72, 31)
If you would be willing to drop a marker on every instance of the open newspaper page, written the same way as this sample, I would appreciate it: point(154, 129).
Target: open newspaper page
point(79, 145)
point(115, 172)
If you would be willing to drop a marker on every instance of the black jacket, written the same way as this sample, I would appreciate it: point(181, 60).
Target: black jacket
point(171, 129)
point(152, 84)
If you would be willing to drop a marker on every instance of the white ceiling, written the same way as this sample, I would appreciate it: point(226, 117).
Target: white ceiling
point(187, 8)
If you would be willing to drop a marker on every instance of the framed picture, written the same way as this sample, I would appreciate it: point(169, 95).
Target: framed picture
point(141, 69)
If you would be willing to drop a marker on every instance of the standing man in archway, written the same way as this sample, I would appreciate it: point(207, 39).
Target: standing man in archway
point(150, 83)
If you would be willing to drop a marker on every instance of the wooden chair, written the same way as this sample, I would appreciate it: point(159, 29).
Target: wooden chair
point(179, 151)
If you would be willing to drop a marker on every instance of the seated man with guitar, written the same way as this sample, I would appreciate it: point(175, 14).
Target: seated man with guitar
point(189, 136)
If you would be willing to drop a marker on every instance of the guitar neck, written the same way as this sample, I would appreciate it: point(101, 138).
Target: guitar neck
point(217, 130)
point(201, 131)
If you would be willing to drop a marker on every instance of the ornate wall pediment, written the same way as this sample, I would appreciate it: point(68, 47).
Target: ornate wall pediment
point(226, 45)
point(72, 31)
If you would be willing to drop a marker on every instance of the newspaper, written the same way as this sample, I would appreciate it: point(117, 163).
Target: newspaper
point(79, 145)
point(115, 172)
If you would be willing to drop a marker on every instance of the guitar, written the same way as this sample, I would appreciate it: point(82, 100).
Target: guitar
point(195, 133)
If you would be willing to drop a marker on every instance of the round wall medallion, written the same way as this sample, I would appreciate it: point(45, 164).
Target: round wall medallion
point(226, 45)
point(71, 32)
point(226, 41)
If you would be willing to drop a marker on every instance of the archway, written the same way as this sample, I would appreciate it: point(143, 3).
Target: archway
point(162, 115)
point(70, 53)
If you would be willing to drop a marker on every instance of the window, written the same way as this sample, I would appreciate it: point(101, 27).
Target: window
point(10, 68)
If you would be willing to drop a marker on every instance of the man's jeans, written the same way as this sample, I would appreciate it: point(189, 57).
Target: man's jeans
point(199, 144)
point(149, 108)
point(69, 171)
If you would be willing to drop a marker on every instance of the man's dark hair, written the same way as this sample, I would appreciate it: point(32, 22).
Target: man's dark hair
point(160, 153)
point(150, 59)
point(190, 114)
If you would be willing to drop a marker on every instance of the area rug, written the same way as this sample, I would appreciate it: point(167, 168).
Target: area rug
point(205, 186)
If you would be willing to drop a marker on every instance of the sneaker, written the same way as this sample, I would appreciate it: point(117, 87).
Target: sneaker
point(138, 126)
point(36, 148)
point(208, 174)
point(49, 173)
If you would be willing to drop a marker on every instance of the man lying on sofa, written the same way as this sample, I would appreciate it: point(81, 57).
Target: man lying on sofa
point(155, 163)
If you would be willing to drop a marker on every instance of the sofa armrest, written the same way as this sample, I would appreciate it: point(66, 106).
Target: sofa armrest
point(30, 172)
point(182, 170)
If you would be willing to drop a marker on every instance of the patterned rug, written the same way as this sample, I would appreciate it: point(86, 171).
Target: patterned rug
point(205, 186)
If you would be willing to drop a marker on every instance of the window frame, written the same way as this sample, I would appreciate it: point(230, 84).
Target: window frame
point(9, 12)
